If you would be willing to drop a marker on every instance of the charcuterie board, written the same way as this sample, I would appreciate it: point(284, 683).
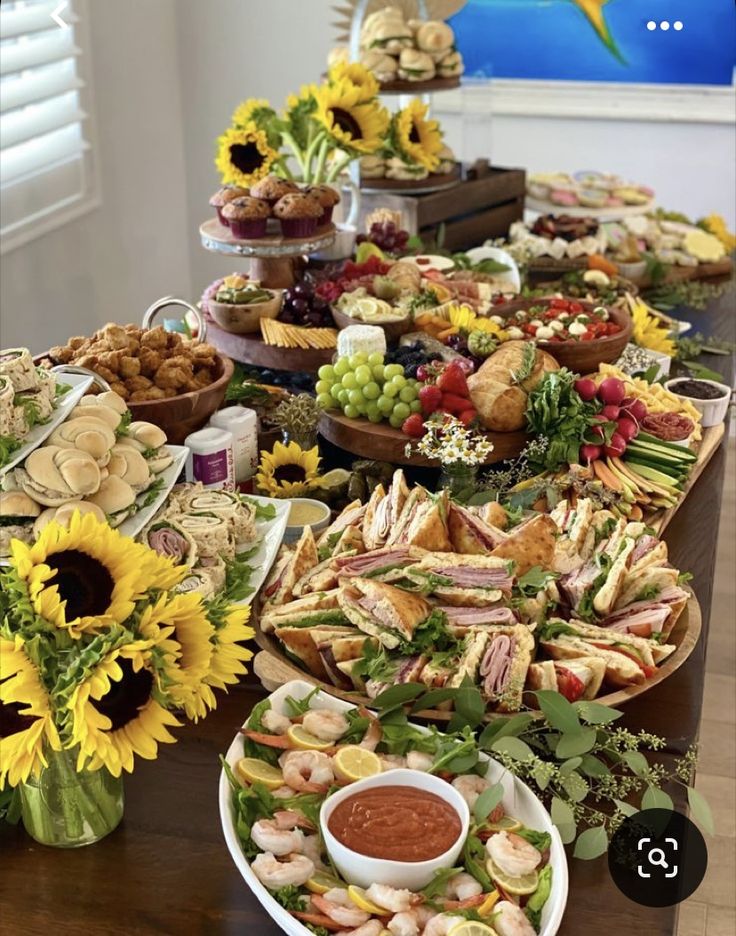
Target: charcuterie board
point(379, 441)
point(274, 669)
point(251, 349)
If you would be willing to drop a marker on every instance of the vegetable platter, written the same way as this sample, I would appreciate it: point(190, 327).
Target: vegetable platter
point(252, 785)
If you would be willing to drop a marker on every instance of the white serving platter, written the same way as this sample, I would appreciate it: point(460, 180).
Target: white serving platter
point(270, 536)
point(518, 800)
point(133, 525)
point(79, 385)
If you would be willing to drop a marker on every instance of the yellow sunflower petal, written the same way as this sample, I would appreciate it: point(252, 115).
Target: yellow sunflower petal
point(244, 156)
point(418, 139)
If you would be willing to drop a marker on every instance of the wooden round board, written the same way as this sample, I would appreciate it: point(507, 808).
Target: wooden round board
point(251, 349)
point(220, 239)
point(436, 182)
point(274, 668)
point(400, 86)
point(383, 443)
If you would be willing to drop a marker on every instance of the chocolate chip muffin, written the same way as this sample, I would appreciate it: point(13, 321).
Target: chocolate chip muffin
point(327, 197)
point(298, 214)
point(272, 188)
point(223, 197)
point(247, 216)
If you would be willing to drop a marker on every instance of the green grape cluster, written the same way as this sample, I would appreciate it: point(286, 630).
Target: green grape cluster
point(362, 385)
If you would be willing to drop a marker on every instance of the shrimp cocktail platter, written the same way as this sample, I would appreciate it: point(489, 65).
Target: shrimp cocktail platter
point(415, 588)
point(341, 821)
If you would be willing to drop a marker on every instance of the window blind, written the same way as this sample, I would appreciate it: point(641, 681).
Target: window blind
point(42, 143)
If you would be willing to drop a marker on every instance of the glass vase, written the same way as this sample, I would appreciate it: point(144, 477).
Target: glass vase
point(306, 439)
point(459, 479)
point(67, 808)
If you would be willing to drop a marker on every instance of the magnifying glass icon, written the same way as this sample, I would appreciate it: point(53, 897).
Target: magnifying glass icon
point(656, 858)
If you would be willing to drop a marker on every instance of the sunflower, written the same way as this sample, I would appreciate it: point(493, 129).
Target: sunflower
point(287, 471)
point(357, 75)
point(26, 722)
point(354, 124)
point(244, 156)
point(87, 576)
point(259, 112)
point(115, 713)
point(650, 331)
point(419, 140)
point(182, 633)
point(228, 655)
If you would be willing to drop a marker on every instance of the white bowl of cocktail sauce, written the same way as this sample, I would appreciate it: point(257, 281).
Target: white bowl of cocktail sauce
point(397, 828)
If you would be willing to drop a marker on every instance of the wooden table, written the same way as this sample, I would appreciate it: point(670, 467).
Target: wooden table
point(166, 870)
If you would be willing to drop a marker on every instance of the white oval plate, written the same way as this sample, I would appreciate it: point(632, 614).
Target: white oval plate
point(518, 800)
point(510, 276)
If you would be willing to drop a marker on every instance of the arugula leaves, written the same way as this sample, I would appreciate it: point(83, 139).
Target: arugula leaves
point(8, 447)
point(263, 511)
point(297, 707)
point(237, 577)
point(534, 581)
point(651, 591)
point(538, 899)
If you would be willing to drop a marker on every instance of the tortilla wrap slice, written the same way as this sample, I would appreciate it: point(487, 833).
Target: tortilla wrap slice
point(315, 601)
point(530, 544)
point(322, 577)
point(470, 534)
point(303, 559)
point(384, 612)
point(606, 596)
point(653, 579)
point(503, 666)
point(621, 670)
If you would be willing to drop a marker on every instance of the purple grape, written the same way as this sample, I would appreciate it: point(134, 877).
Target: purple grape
point(300, 306)
point(290, 295)
point(301, 289)
point(319, 304)
point(314, 318)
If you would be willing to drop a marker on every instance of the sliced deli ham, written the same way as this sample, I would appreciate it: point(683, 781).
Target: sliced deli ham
point(495, 666)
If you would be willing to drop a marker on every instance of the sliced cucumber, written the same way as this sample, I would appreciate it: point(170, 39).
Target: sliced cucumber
point(681, 450)
point(654, 474)
point(676, 471)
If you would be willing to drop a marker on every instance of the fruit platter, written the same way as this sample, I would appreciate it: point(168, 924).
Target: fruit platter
point(423, 879)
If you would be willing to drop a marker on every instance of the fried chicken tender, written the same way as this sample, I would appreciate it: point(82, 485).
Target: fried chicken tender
point(155, 338)
point(174, 343)
point(203, 377)
point(174, 372)
point(61, 354)
point(114, 335)
point(150, 361)
point(152, 393)
point(138, 383)
point(129, 366)
point(112, 359)
point(105, 373)
point(78, 342)
point(120, 389)
point(203, 354)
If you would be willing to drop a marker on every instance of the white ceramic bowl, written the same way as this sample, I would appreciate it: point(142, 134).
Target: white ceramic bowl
point(713, 412)
point(364, 870)
point(295, 530)
point(511, 276)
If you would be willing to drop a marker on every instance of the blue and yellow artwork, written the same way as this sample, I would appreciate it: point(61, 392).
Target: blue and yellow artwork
point(643, 41)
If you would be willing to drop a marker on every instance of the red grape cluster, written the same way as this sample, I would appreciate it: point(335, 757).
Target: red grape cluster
point(303, 306)
point(387, 236)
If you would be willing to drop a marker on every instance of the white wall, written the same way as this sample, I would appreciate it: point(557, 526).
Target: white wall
point(114, 261)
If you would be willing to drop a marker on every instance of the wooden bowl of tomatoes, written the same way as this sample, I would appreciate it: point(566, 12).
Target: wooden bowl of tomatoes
point(579, 335)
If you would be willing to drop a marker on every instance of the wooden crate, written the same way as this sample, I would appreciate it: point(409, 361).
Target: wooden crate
point(483, 205)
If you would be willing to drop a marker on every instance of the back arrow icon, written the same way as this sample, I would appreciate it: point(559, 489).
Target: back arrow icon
point(56, 15)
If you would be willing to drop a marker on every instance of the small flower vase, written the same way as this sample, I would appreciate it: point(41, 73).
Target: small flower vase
point(66, 808)
point(459, 479)
point(305, 439)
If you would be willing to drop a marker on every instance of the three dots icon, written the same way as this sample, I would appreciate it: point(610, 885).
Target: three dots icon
point(665, 25)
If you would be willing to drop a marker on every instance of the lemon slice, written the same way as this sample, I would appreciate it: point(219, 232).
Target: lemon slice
point(320, 882)
point(354, 763)
point(358, 897)
point(518, 886)
point(252, 770)
point(306, 741)
point(505, 824)
point(486, 908)
point(472, 928)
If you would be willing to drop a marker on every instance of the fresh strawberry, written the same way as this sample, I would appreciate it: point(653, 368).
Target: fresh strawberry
point(467, 416)
point(422, 373)
point(414, 426)
point(452, 380)
point(430, 396)
point(452, 403)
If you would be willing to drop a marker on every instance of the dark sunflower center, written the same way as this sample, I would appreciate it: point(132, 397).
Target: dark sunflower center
point(11, 721)
point(246, 157)
point(125, 698)
point(84, 583)
point(347, 123)
point(291, 473)
point(414, 134)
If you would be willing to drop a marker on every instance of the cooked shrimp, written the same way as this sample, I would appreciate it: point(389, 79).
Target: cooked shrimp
point(392, 761)
point(463, 886)
point(441, 924)
point(270, 740)
point(275, 722)
point(273, 874)
point(410, 922)
point(510, 920)
point(325, 725)
point(470, 786)
point(513, 854)
point(307, 771)
point(391, 898)
point(270, 837)
point(291, 818)
point(372, 737)
point(371, 928)
point(418, 760)
point(337, 905)
point(283, 792)
point(312, 848)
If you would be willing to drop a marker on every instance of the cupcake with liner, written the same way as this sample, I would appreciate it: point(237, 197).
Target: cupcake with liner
point(223, 197)
point(247, 216)
point(327, 197)
point(298, 214)
point(272, 188)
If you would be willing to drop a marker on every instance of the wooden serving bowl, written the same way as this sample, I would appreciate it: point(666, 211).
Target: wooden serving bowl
point(180, 415)
point(392, 330)
point(244, 319)
point(583, 357)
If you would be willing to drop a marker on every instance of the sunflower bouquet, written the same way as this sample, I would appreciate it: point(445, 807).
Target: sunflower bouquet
point(100, 655)
point(288, 471)
point(323, 129)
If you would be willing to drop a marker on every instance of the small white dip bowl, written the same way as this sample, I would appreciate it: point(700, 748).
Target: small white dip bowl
point(295, 530)
point(712, 412)
point(414, 875)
